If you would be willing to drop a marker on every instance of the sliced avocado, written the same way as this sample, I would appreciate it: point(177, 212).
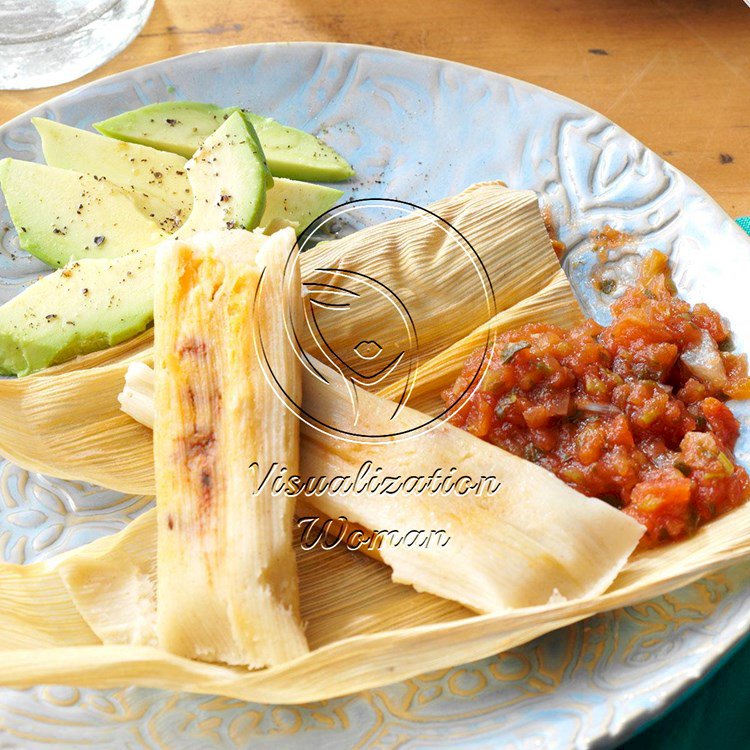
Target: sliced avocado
point(88, 305)
point(156, 180)
point(93, 303)
point(62, 215)
point(299, 203)
point(228, 176)
point(298, 155)
point(181, 127)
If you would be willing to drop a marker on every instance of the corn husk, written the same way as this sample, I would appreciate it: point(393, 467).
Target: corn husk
point(41, 433)
point(366, 631)
point(26, 624)
point(448, 283)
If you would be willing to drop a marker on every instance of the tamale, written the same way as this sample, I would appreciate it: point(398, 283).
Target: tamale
point(227, 580)
point(518, 538)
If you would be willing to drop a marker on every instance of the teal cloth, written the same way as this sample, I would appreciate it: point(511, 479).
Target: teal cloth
point(714, 713)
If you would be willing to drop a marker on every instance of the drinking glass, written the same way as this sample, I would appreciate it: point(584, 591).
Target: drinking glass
point(46, 42)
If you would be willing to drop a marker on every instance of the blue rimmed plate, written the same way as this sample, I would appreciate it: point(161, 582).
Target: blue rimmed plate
point(415, 128)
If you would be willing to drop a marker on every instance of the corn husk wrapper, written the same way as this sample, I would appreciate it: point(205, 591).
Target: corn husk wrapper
point(488, 252)
point(364, 630)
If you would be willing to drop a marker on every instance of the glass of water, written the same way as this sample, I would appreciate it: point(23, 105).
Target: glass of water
point(46, 42)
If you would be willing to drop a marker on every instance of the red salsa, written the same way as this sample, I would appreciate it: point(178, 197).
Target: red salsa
point(632, 412)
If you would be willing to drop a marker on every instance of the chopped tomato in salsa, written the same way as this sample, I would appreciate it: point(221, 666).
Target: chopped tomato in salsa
point(632, 412)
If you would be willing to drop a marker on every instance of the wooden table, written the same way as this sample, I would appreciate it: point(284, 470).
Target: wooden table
point(675, 73)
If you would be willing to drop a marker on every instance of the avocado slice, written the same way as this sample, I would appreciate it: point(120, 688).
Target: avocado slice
point(62, 215)
point(94, 303)
point(229, 177)
point(298, 203)
point(88, 305)
point(181, 127)
point(156, 180)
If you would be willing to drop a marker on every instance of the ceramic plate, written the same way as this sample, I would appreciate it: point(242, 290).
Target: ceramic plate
point(417, 129)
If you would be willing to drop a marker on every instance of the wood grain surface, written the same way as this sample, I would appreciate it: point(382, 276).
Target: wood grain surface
point(675, 73)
